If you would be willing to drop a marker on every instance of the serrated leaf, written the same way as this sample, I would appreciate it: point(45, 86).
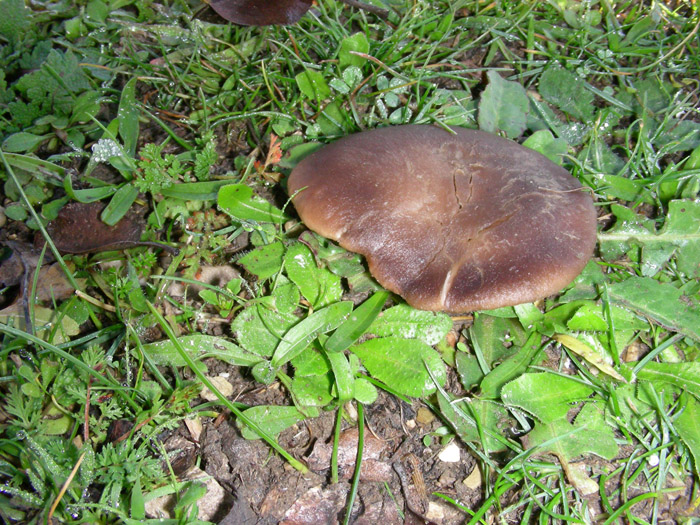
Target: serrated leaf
point(661, 302)
point(565, 90)
point(404, 321)
point(319, 285)
point(264, 261)
point(546, 396)
point(685, 376)
point(503, 106)
point(16, 18)
point(302, 334)
point(589, 435)
point(239, 202)
point(402, 364)
point(272, 419)
point(199, 346)
point(680, 236)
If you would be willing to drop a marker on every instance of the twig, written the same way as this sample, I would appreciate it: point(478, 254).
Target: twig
point(381, 13)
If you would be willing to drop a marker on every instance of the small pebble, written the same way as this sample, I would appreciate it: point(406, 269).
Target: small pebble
point(473, 480)
point(221, 384)
point(424, 416)
point(450, 454)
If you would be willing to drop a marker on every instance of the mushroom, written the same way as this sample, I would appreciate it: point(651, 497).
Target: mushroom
point(261, 12)
point(455, 222)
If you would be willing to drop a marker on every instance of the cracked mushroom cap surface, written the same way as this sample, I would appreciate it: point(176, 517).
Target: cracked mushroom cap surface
point(454, 222)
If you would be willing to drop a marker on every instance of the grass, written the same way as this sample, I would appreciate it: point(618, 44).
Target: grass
point(580, 408)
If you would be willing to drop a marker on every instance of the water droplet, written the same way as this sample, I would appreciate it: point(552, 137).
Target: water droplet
point(105, 149)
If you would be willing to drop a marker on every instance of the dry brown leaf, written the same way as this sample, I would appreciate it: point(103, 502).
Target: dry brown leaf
point(79, 229)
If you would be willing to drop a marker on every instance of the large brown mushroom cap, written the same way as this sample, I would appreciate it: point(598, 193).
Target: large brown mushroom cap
point(453, 222)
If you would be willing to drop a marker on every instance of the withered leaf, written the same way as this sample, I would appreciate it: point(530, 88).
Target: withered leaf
point(261, 12)
point(78, 229)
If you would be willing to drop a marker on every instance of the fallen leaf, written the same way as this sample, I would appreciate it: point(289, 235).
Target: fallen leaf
point(261, 12)
point(79, 229)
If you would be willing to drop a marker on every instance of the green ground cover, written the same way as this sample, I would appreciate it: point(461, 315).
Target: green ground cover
point(583, 407)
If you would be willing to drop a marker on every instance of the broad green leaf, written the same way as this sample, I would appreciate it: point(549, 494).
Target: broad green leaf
point(566, 91)
point(503, 106)
point(313, 390)
point(119, 204)
point(588, 435)
point(264, 261)
point(685, 376)
point(302, 334)
point(313, 362)
point(199, 346)
point(544, 142)
point(662, 303)
point(239, 202)
point(402, 364)
point(312, 84)
point(404, 321)
point(358, 43)
point(285, 297)
point(546, 396)
point(22, 142)
point(319, 285)
point(357, 324)
point(365, 392)
point(259, 328)
point(688, 428)
point(194, 191)
point(272, 419)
